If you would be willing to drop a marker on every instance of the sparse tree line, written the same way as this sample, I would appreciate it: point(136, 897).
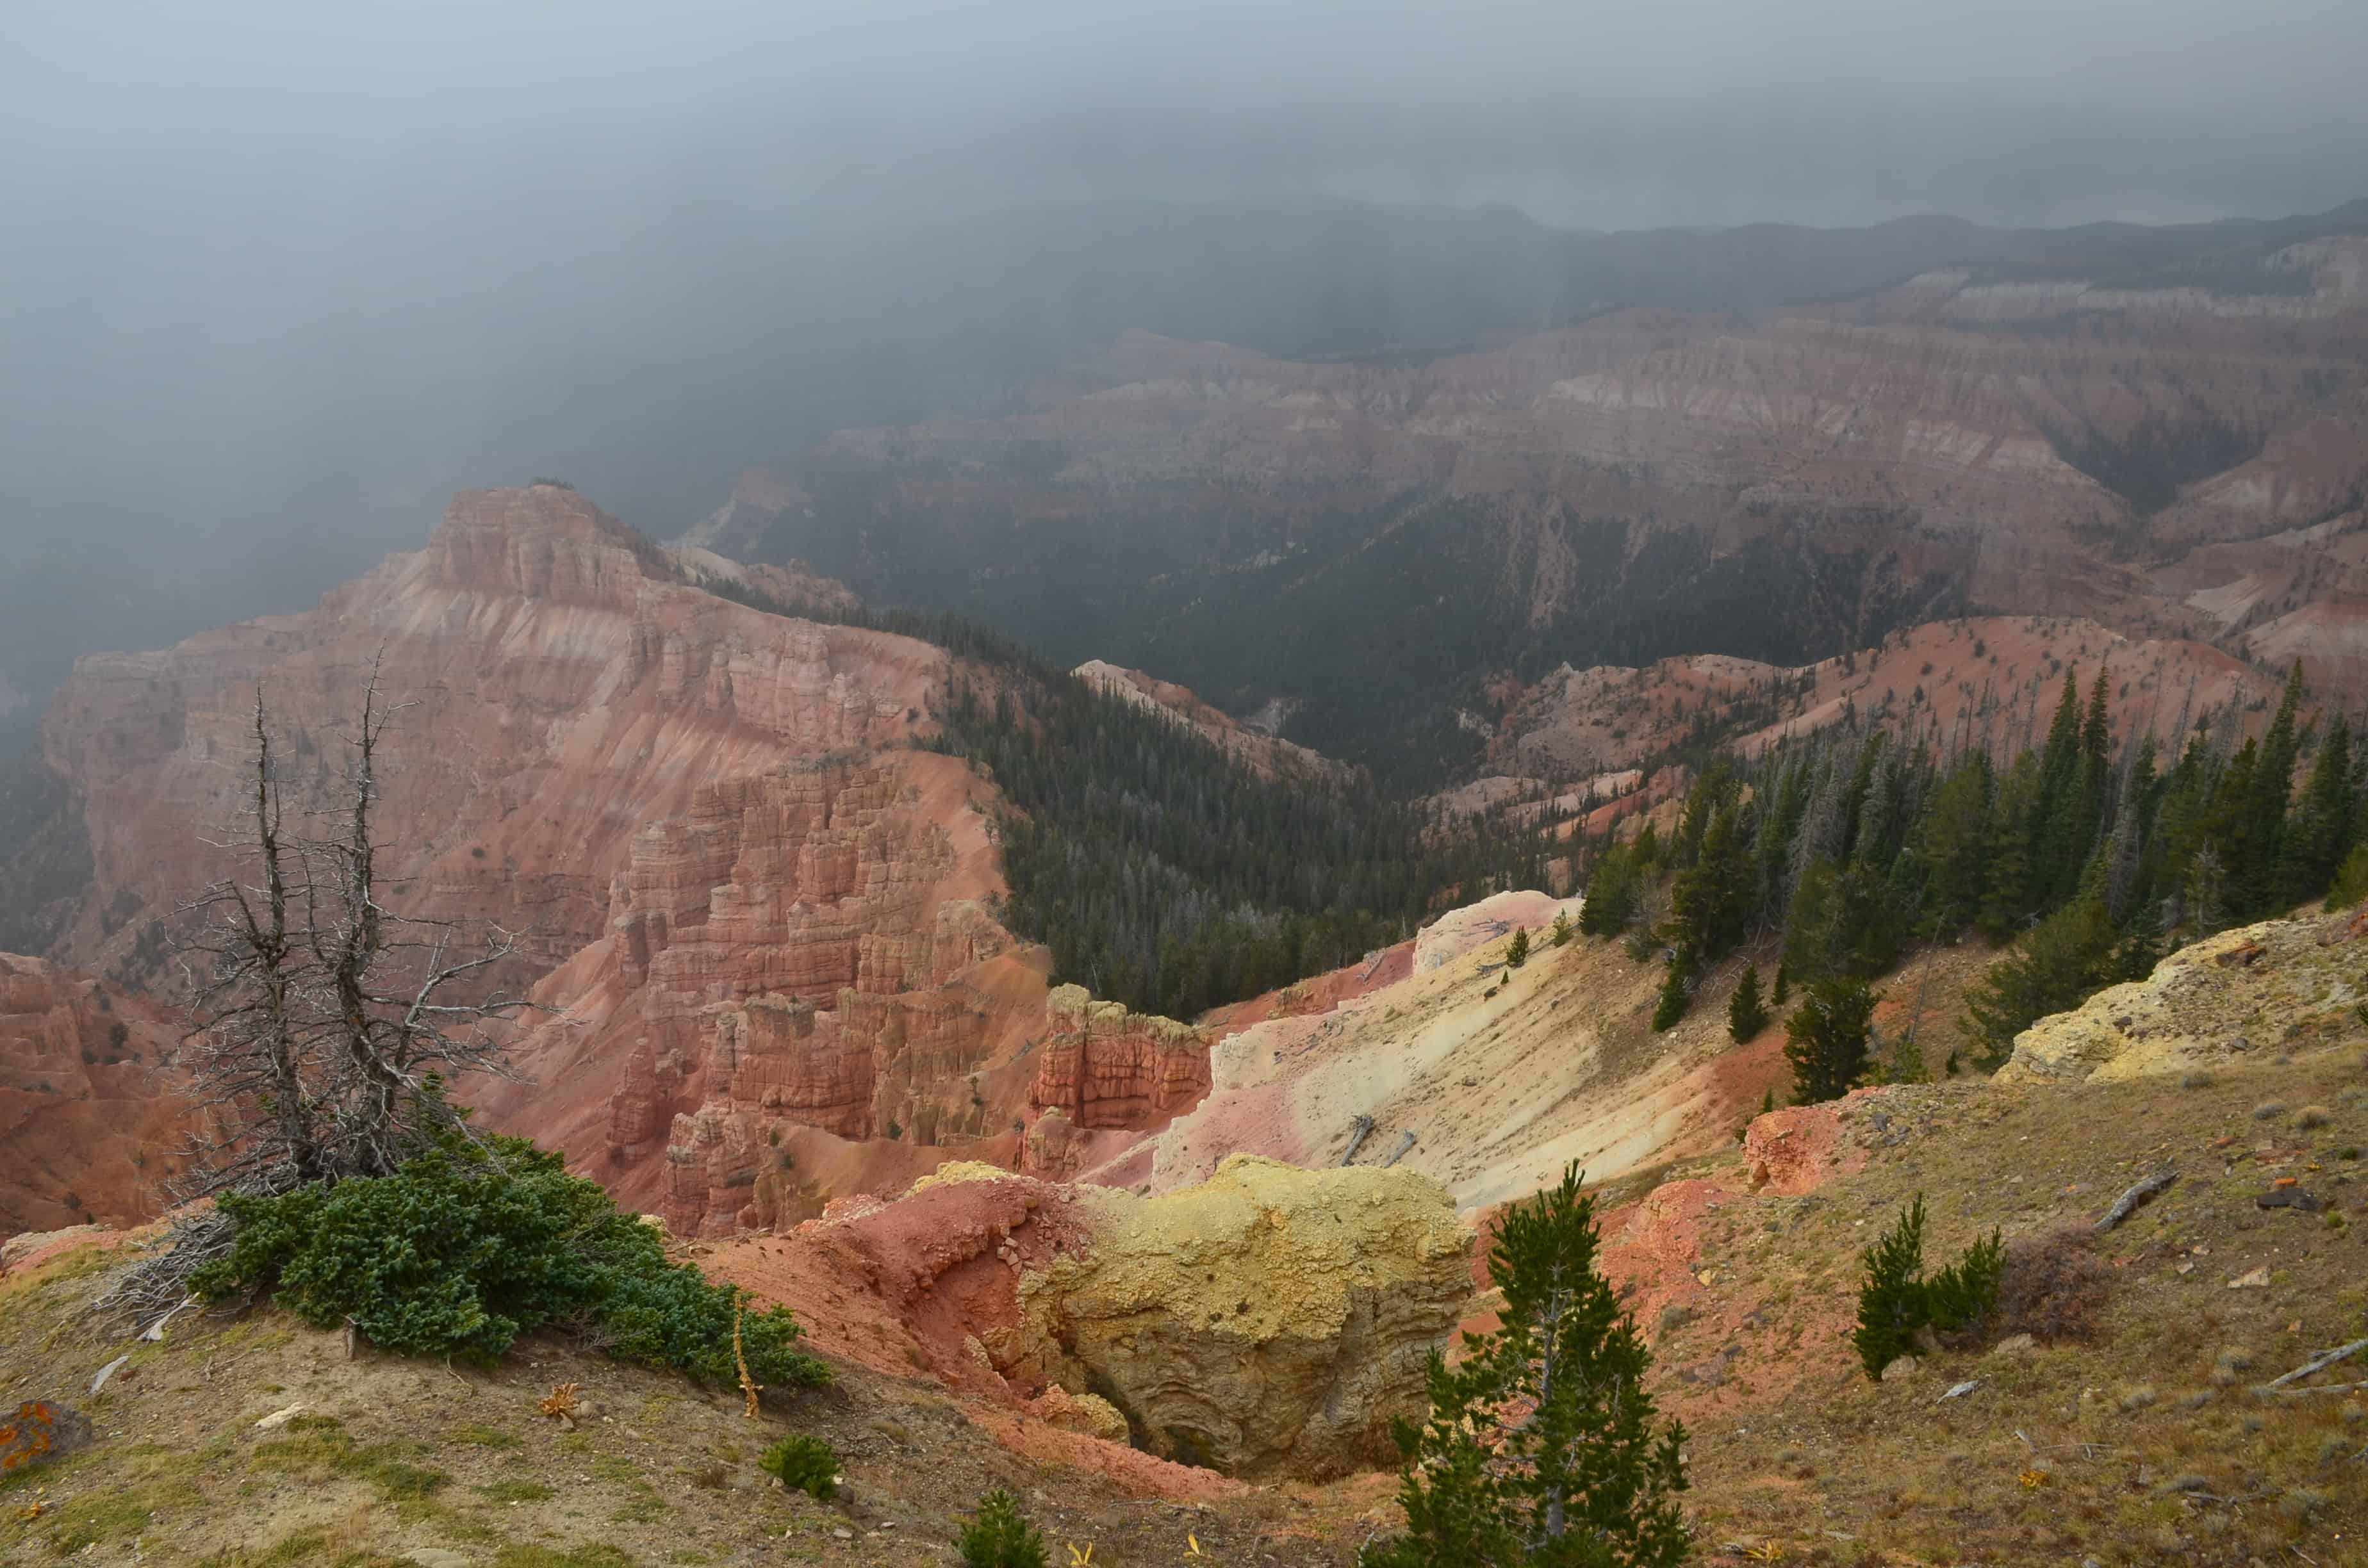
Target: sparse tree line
point(2090, 858)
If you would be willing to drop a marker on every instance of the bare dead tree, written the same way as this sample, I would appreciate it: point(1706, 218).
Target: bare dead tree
point(392, 988)
point(326, 1023)
point(251, 1056)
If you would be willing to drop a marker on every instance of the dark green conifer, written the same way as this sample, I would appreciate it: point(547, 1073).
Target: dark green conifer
point(1892, 1304)
point(1826, 1038)
point(1677, 994)
point(1541, 1448)
point(1747, 1014)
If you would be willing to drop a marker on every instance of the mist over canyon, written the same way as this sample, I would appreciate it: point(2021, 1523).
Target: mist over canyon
point(1063, 783)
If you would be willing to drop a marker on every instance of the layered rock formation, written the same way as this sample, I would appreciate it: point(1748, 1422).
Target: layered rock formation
point(761, 917)
point(1979, 679)
point(804, 952)
point(1102, 1067)
point(1780, 487)
point(2259, 991)
point(760, 913)
point(90, 1123)
point(563, 687)
point(1270, 1323)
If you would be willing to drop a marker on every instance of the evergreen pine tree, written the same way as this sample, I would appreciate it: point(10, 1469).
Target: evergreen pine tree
point(2007, 895)
point(2055, 965)
point(1893, 1302)
point(1561, 928)
point(2320, 833)
point(1953, 839)
point(1541, 1450)
point(2253, 857)
point(1809, 935)
point(1826, 1038)
point(1747, 1014)
point(1782, 991)
point(1711, 897)
point(2351, 880)
point(1897, 1303)
point(1677, 994)
point(2056, 808)
point(1612, 893)
point(1000, 1536)
point(1965, 1294)
point(1516, 952)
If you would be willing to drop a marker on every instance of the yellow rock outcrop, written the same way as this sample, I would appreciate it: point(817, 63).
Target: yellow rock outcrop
point(2279, 985)
point(1270, 1320)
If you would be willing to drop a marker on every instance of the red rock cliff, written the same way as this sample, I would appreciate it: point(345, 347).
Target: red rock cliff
point(1103, 1067)
point(762, 918)
point(756, 907)
point(89, 1127)
point(564, 690)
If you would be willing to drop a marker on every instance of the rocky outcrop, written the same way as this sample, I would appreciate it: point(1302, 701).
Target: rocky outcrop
point(791, 585)
point(1270, 1322)
point(1459, 931)
point(802, 950)
point(91, 1124)
point(1795, 1149)
point(1989, 678)
point(756, 910)
point(563, 687)
point(2282, 985)
point(1103, 1067)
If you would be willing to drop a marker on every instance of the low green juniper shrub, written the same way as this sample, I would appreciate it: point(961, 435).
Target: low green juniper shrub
point(467, 1247)
point(805, 1464)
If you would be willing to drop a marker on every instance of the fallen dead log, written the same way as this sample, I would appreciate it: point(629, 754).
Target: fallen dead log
point(2136, 1198)
point(2331, 1388)
point(2324, 1358)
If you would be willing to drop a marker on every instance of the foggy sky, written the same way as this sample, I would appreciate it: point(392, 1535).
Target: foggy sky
point(275, 275)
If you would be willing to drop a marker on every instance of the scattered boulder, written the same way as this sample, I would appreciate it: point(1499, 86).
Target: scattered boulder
point(1087, 1413)
point(1792, 1151)
point(37, 1432)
